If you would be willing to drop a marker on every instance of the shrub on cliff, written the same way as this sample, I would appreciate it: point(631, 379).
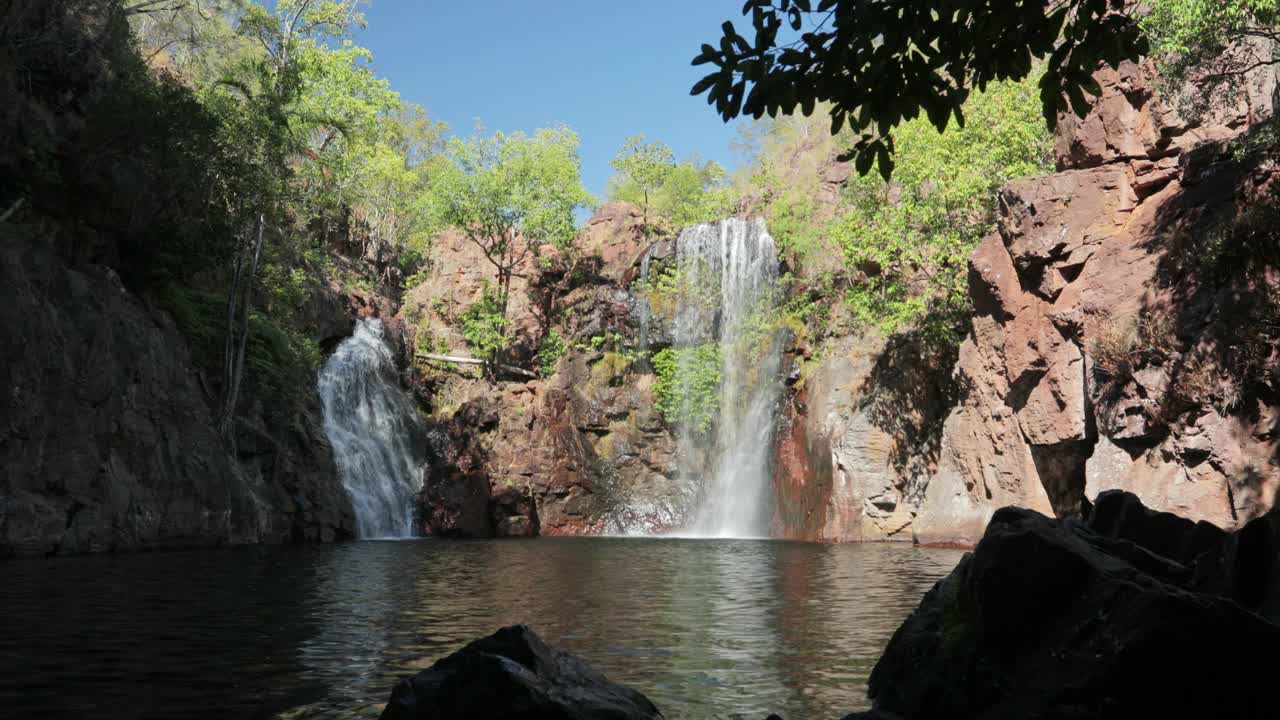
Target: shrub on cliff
point(681, 194)
point(910, 240)
point(688, 385)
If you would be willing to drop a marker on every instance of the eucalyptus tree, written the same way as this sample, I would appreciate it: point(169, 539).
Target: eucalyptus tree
point(645, 166)
point(509, 194)
point(297, 98)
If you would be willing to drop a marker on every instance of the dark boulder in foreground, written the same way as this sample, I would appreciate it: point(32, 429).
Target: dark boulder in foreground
point(1136, 614)
point(513, 674)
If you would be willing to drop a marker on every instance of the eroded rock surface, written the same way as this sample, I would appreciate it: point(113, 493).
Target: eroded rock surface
point(107, 438)
point(1098, 352)
point(583, 451)
point(859, 441)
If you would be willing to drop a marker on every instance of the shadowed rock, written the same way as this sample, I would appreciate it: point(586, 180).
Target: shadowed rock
point(513, 674)
point(1052, 619)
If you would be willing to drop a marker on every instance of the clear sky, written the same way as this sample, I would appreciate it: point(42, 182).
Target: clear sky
point(607, 68)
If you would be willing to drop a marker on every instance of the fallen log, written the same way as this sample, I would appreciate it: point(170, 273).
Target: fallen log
point(475, 361)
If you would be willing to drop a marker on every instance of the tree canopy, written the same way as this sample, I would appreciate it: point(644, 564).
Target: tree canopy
point(509, 194)
point(884, 62)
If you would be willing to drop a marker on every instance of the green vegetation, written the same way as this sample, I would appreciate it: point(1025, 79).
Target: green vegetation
point(688, 385)
point(280, 360)
point(484, 325)
point(644, 167)
point(509, 194)
point(550, 351)
point(910, 241)
point(1194, 34)
point(682, 194)
point(882, 64)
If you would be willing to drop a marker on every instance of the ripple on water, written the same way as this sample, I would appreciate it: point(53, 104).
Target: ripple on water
point(705, 628)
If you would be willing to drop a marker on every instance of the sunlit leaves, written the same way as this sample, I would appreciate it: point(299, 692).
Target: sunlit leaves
point(909, 241)
point(683, 193)
point(880, 64)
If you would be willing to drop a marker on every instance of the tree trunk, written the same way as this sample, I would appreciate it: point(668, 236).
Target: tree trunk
point(239, 300)
point(645, 219)
point(476, 361)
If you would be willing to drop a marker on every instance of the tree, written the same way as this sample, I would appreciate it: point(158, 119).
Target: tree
point(510, 194)
point(910, 240)
point(1221, 40)
point(880, 63)
point(646, 166)
point(683, 193)
point(295, 104)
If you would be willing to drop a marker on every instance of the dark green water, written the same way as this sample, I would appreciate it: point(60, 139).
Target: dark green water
point(705, 628)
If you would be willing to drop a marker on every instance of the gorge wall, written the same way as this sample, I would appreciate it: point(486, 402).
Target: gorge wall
point(1124, 333)
point(1124, 336)
point(582, 451)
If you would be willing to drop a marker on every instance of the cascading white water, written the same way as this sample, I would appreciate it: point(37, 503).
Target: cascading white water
point(371, 425)
point(735, 259)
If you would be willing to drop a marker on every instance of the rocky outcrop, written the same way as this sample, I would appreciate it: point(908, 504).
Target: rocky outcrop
point(1055, 618)
point(1114, 306)
point(107, 438)
point(514, 674)
point(583, 451)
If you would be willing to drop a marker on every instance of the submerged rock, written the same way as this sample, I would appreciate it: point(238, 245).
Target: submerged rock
point(514, 674)
point(1054, 619)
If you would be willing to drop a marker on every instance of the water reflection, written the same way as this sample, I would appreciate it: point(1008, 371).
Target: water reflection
point(706, 628)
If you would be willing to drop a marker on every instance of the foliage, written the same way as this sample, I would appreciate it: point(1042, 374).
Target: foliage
point(280, 360)
point(785, 159)
point(1187, 35)
point(882, 64)
point(550, 351)
point(644, 166)
point(686, 193)
point(662, 289)
point(687, 385)
point(509, 194)
point(910, 240)
point(484, 325)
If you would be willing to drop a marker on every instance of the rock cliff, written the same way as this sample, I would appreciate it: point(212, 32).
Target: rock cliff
point(1123, 334)
point(581, 451)
point(108, 440)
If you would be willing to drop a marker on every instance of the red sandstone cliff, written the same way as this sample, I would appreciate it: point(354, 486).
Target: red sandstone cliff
point(1124, 331)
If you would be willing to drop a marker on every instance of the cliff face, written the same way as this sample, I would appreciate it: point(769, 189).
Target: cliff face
point(1124, 332)
point(108, 441)
point(1124, 336)
point(859, 439)
point(583, 451)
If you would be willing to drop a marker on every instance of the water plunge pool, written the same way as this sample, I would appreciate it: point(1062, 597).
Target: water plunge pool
point(705, 628)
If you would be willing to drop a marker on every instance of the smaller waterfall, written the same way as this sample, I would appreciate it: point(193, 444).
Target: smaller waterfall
point(371, 425)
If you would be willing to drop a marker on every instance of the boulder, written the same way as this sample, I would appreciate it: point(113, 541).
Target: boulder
point(514, 675)
point(1122, 515)
point(1053, 619)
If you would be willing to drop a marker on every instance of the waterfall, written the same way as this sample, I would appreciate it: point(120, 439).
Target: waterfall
point(729, 274)
point(371, 424)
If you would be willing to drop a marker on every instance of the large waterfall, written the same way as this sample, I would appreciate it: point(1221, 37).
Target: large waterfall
point(729, 272)
point(371, 424)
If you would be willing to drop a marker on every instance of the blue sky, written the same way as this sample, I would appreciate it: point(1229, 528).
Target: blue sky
point(607, 68)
